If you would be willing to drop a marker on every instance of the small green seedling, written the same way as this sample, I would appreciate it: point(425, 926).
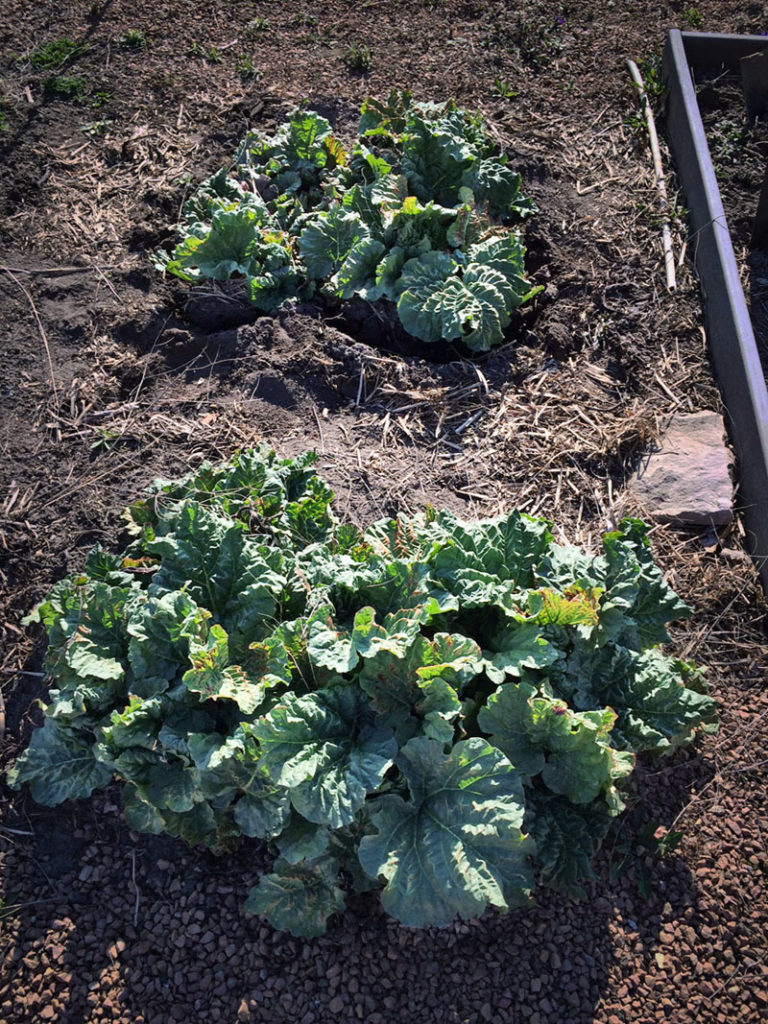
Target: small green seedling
point(358, 58)
point(503, 89)
point(56, 54)
point(255, 27)
point(246, 69)
point(693, 17)
point(70, 87)
point(133, 39)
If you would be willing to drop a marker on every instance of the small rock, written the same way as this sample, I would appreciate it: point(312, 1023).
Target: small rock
point(486, 1012)
point(688, 481)
point(336, 1005)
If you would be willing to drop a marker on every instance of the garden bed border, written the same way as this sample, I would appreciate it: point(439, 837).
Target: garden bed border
point(729, 328)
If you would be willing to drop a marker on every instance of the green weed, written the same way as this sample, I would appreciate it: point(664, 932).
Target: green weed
point(539, 42)
point(56, 54)
point(212, 55)
point(133, 39)
point(358, 58)
point(650, 69)
point(246, 69)
point(100, 98)
point(503, 89)
point(70, 87)
point(96, 128)
point(255, 28)
point(692, 17)
point(727, 139)
point(105, 441)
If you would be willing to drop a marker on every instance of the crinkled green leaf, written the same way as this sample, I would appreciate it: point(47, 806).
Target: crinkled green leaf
point(59, 765)
point(230, 244)
point(357, 274)
point(326, 242)
point(395, 633)
point(451, 656)
point(262, 811)
point(158, 649)
point(385, 117)
point(456, 845)
point(389, 271)
point(473, 309)
point(570, 749)
point(465, 228)
point(418, 228)
point(327, 646)
point(567, 837)
point(436, 154)
point(637, 602)
point(412, 692)
point(302, 840)
point(509, 719)
point(399, 588)
point(173, 786)
point(221, 569)
point(138, 724)
point(214, 678)
point(301, 143)
point(298, 898)
point(254, 487)
point(320, 748)
point(106, 567)
point(269, 288)
point(507, 546)
point(140, 814)
point(580, 763)
point(197, 826)
point(518, 647)
point(656, 709)
point(498, 188)
point(220, 190)
point(87, 638)
point(229, 772)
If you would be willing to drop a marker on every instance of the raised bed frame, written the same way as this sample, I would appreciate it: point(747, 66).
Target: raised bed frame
point(729, 328)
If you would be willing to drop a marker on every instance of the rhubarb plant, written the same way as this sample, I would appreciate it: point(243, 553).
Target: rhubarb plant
point(419, 213)
point(446, 711)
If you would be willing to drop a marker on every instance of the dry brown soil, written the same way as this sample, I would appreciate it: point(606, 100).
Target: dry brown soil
point(110, 376)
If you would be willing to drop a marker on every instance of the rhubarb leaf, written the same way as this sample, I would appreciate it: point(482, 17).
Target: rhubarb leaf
point(59, 765)
point(457, 844)
point(320, 747)
point(298, 898)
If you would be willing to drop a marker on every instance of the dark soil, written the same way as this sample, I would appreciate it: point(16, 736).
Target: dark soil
point(111, 376)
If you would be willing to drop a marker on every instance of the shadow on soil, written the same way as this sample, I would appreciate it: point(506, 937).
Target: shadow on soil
point(164, 925)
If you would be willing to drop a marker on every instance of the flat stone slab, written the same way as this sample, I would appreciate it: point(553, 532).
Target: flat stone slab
point(688, 481)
